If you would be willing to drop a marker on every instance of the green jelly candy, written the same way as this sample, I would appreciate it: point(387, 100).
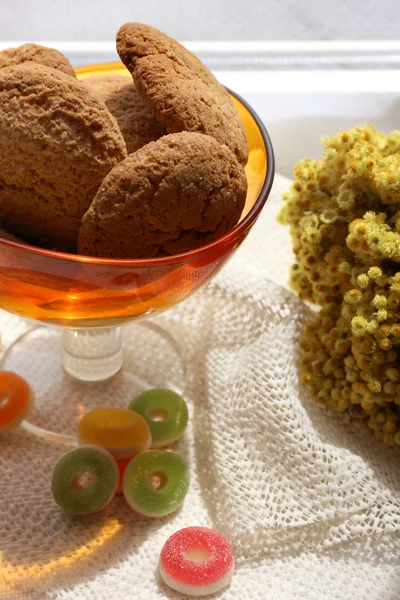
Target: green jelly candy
point(156, 482)
point(85, 480)
point(165, 412)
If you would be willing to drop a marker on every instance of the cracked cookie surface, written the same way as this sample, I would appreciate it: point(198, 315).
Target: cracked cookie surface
point(138, 125)
point(49, 57)
point(178, 88)
point(178, 193)
point(57, 143)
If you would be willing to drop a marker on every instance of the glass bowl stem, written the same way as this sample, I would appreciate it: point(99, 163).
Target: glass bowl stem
point(93, 354)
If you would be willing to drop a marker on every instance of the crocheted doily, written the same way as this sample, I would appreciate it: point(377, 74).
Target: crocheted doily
point(309, 500)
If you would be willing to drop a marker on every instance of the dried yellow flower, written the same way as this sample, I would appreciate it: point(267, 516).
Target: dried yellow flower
point(344, 217)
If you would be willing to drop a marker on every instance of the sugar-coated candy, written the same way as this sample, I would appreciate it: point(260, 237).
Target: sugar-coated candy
point(165, 412)
point(85, 480)
point(155, 483)
point(122, 432)
point(16, 400)
point(197, 561)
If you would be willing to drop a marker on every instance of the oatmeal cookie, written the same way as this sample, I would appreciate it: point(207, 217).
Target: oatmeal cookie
point(57, 143)
point(49, 57)
point(178, 88)
point(138, 125)
point(178, 193)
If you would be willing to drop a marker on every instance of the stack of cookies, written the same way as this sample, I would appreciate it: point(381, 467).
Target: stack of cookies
point(118, 167)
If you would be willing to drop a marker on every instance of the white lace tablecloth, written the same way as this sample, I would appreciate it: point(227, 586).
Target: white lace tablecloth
point(310, 501)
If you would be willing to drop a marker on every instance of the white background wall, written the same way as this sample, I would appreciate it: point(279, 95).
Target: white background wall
point(201, 19)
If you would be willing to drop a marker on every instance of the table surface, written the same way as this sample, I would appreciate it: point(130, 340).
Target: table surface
point(299, 103)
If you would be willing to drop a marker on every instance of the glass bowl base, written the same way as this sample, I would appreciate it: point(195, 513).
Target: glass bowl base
point(151, 358)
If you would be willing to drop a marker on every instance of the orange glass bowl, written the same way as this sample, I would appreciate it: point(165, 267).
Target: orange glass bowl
point(79, 292)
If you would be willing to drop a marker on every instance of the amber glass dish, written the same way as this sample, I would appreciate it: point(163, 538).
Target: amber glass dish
point(77, 291)
point(90, 298)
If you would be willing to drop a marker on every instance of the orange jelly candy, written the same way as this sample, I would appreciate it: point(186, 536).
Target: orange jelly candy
point(122, 432)
point(16, 400)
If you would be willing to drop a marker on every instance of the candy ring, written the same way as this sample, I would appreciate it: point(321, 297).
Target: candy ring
point(196, 561)
point(85, 480)
point(16, 400)
point(155, 483)
point(166, 414)
point(122, 432)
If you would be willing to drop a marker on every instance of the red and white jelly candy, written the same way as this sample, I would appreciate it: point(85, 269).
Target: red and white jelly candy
point(196, 561)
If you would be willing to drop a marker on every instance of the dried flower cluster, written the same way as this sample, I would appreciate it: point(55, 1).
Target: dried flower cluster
point(344, 217)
